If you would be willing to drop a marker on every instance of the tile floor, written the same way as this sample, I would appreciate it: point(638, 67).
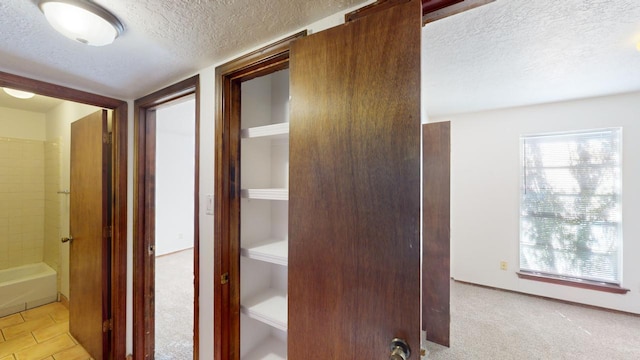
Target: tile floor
point(40, 333)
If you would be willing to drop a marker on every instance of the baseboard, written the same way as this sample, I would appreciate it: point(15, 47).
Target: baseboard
point(550, 298)
point(63, 300)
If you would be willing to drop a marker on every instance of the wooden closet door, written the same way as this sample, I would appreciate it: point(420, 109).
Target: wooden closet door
point(354, 215)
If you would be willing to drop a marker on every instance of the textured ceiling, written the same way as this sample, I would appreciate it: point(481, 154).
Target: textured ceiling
point(506, 53)
point(164, 40)
point(522, 52)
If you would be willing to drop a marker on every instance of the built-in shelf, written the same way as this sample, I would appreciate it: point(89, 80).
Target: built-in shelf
point(264, 158)
point(270, 349)
point(265, 194)
point(275, 131)
point(269, 307)
point(273, 251)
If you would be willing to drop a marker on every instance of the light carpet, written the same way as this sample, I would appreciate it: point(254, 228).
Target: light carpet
point(494, 324)
point(174, 306)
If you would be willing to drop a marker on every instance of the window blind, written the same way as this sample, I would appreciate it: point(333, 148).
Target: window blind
point(570, 213)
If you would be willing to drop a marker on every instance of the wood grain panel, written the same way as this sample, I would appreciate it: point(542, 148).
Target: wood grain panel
point(354, 258)
point(436, 150)
point(436, 11)
point(432, 10)
point(119, 245)
point(89, 217)
point(434, 5)
point(149, 239)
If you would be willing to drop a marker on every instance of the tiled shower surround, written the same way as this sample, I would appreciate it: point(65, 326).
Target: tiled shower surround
point(24, 190)
point(52, 206)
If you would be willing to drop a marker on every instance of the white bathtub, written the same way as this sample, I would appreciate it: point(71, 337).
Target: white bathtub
point(25, 287)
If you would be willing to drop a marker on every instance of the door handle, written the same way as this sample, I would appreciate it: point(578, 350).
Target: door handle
point(66, 239)
point(399, 350)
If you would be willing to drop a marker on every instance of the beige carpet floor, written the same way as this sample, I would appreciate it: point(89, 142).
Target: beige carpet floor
point(495, 324)
point(174, 306)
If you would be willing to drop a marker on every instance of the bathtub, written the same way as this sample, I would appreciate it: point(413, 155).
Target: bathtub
point(25, 287)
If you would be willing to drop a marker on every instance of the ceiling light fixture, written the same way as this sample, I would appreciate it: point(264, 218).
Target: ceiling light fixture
point(82, 21)
point(19, 93)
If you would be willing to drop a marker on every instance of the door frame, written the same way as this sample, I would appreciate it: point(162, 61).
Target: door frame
point(226, 290)
point(117, 289)
point(144, 215)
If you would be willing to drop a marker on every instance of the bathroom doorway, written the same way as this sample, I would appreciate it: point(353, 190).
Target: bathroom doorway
point(38, 141)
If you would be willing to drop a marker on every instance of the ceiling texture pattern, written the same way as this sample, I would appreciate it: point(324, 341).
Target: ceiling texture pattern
point(506, 53)
point(164, 40)
point(519, 52)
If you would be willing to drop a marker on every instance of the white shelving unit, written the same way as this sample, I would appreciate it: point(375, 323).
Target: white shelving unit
point(275, 131)
point(265, 194)
point(272, 250)
point(264, 179)
point(268, 306)
point(270, 349)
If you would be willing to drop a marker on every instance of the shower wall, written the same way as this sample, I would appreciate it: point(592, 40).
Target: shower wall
point(34, 168)
point(53, 202)
point(22, 187)
point(21, 202)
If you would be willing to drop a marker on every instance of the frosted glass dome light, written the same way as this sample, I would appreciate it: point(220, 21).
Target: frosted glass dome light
point(19, 93)
point(82, 21)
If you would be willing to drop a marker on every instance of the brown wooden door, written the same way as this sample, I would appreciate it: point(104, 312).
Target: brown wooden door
point(89, 220)
point(436, 276)
point(354, 215)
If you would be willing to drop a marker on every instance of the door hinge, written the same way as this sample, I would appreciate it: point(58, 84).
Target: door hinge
point(224, 278)
point(107, 138)
point(108, 232)
point(107, 325)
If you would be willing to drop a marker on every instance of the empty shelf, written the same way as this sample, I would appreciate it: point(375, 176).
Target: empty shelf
point(272, 250)
point(269, 307)
point(276, 131)
point(265, 194)
point(270, 349)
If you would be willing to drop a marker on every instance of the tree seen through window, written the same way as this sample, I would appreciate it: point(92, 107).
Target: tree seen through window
point(570, 219)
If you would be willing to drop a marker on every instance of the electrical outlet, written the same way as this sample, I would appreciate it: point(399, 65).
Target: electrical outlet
point(503, 265)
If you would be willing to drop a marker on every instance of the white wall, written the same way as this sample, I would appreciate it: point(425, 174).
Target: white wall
point(175, 165)
point(58, 128)
point(485, 170)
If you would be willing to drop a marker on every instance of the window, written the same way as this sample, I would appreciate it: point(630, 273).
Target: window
point(570, 216)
